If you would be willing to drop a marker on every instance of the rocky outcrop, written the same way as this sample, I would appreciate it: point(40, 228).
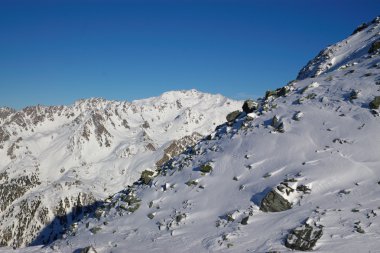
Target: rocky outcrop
point(250, 106)
point(305, 236)
point(281, 197)
point(178, 146)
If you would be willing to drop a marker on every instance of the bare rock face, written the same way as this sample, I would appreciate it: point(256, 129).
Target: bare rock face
point(178, 146)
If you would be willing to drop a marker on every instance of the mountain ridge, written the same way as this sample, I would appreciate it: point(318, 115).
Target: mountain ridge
point(83, 149)
point(297, 170)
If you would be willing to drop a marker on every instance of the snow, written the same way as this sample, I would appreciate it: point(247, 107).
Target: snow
point(332, 147)
point(61, 155)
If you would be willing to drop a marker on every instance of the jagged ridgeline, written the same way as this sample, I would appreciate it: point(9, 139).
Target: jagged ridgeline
point(295, 170)
point(59, 162)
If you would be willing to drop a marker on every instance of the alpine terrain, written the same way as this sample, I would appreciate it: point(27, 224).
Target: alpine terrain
point(296, 170)
point(58, 161)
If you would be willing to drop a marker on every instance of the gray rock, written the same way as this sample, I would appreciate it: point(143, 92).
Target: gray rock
point(278, 124)
point(250, 106)
point(304, 237)
point(274, 202)
point(233, 115)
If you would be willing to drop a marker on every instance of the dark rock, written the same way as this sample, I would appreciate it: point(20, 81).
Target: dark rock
point(274, 202)
point(360, 28)
point(250, 106)
point(244, 221)
point(304, 189)
point(375, 103)
point(374, 47)
point(232, 116)
point(278, 124)
point(206, 168)
point(147, 176)
point(304, 237)
point(354, 94)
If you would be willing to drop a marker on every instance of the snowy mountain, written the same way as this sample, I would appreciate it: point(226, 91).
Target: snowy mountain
point(54, 160)
point(297, 170)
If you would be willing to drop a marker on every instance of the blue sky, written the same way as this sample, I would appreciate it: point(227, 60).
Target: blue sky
point(55, 52)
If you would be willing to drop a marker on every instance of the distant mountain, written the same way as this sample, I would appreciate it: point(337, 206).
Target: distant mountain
point(296, 170)
point(54, 160)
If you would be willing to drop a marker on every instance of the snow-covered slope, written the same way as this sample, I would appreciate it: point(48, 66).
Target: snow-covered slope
point(56, 159)
point(343, 52)
point(300, 172)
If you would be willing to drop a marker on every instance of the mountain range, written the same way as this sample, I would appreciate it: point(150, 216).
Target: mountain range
point(295, 170)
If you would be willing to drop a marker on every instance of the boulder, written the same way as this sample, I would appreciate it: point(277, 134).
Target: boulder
point(274, 202)
point(250, 106)
point(147, 176)
point(375, 103)
point(374, 47)
point(278, 124)
point(244, 221)
point(206, 168)
point(354, 94)
point(298, 115)
point(304, 237)
point(232, 116)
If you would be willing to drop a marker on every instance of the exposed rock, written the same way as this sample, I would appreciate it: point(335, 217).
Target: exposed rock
point(244, 221)
point(277, 199)
point(206, 168)
point(304, 237)
point(360, 28)
point(375, 103)
point(297, 116)
point(274, 202)
point(354, 94)
point(278, 124)
point(147, 176)
point(374, 47)
point(250, 106)
point(178, 146)
point(232, 116)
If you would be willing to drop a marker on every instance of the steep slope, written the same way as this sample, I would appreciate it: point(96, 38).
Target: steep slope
point(56, 160)
point(300, 171)
point(342, 54)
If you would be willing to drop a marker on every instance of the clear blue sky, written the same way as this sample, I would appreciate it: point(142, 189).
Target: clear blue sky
point(54, 52)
